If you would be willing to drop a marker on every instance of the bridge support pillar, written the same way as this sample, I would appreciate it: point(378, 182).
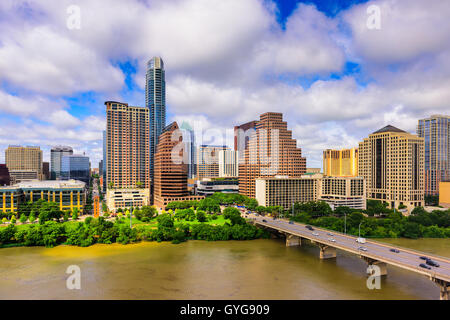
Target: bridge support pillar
point(375, 263)
point(292, 240)
point(444, 287)
point(327, 252)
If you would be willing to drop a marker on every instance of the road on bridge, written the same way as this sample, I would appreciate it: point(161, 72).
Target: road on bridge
point(405, 258)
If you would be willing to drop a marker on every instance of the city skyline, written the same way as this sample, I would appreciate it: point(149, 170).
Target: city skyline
point(331, 100)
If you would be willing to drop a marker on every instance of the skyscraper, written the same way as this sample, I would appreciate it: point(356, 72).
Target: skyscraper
point(24, 162)
point(208, 161)
point(155, 100)
point(228, 163)
point(76, 167)
point(340, 163)
point(436, 132)
point(104, 162)
point(170, 182)
point(271, 152)
point(189, 149)
point(56, 154)
point(392, 162)
point(127, 146)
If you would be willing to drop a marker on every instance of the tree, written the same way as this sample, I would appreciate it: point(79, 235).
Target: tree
point(209, 205)
point(234, 215)
point(32, 217)
point(201, 216)
point(13, 219)
point(148, 213)
point(251, 204)
point(75, 213)
point(412, 230)
point(23, 218)
point(49, 211)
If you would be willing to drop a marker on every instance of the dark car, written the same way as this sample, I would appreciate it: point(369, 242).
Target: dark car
point(432, 263)
point(394, 250)
point(423, 265)
point(291, 222)
point(424, 258)
point(264, 220)
point(309, 227)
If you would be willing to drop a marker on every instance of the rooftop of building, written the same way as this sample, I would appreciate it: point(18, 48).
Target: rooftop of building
point(48, 184)
point(61, 148)
point(389, 128)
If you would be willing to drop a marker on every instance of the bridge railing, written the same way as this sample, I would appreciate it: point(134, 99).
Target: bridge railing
point(422, 253)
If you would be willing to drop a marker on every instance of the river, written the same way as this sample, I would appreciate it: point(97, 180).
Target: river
point(257, 269)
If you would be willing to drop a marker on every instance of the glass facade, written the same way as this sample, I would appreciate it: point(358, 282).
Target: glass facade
point(436, 132)
point(75, 167)
point(155, 100)
point(56, 154)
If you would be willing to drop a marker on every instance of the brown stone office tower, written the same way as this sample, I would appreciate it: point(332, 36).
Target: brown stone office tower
point(171, 169)
point(127, 146)
point(271, 152)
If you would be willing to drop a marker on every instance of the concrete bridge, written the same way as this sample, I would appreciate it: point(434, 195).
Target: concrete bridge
point(374, 252)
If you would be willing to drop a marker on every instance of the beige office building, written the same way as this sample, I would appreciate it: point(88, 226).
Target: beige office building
point(343, 192)
point(392, 162)
point(127, 198)
point(24, 163)
point(336, 191)
point(127, 155)
point(340, 163)
point(208, 161)
point(228, 163)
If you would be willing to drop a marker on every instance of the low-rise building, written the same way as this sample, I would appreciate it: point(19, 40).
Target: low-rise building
point(209, 186)
point(127, 198)
point(343, 192)
point(68, 194)
point(284, 191)
point(336, 191)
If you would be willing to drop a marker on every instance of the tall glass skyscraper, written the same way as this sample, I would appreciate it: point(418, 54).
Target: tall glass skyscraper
point(436, 131)
point(75, 167)
point(155, 100)
point(56, 154)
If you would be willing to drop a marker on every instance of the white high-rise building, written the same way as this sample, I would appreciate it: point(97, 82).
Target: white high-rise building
point(228, 163)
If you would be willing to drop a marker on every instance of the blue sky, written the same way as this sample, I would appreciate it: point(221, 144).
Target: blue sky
point(335, 79)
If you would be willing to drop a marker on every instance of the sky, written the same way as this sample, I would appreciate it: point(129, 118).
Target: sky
point(334, 70)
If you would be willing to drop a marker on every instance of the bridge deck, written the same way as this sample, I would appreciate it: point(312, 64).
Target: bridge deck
point(407, 258)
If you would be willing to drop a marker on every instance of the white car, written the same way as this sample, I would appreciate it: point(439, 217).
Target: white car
point(362, 249)
point(315, 234)
point(361, 240)
point(331, 239)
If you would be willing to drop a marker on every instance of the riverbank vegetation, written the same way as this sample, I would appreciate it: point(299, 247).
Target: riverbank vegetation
point(177, 226)
point(377, 221)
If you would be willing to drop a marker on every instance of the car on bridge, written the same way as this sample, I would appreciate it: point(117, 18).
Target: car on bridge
point(331, 239)
point(423, 265)
point(264, 220)
point(291, 222)
point(309, 227)
point(330, 234)
point(361, 240)
point(432, 263)
point(394, 250)
point(362, 248)
point(424, 258)
point(315, 234)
